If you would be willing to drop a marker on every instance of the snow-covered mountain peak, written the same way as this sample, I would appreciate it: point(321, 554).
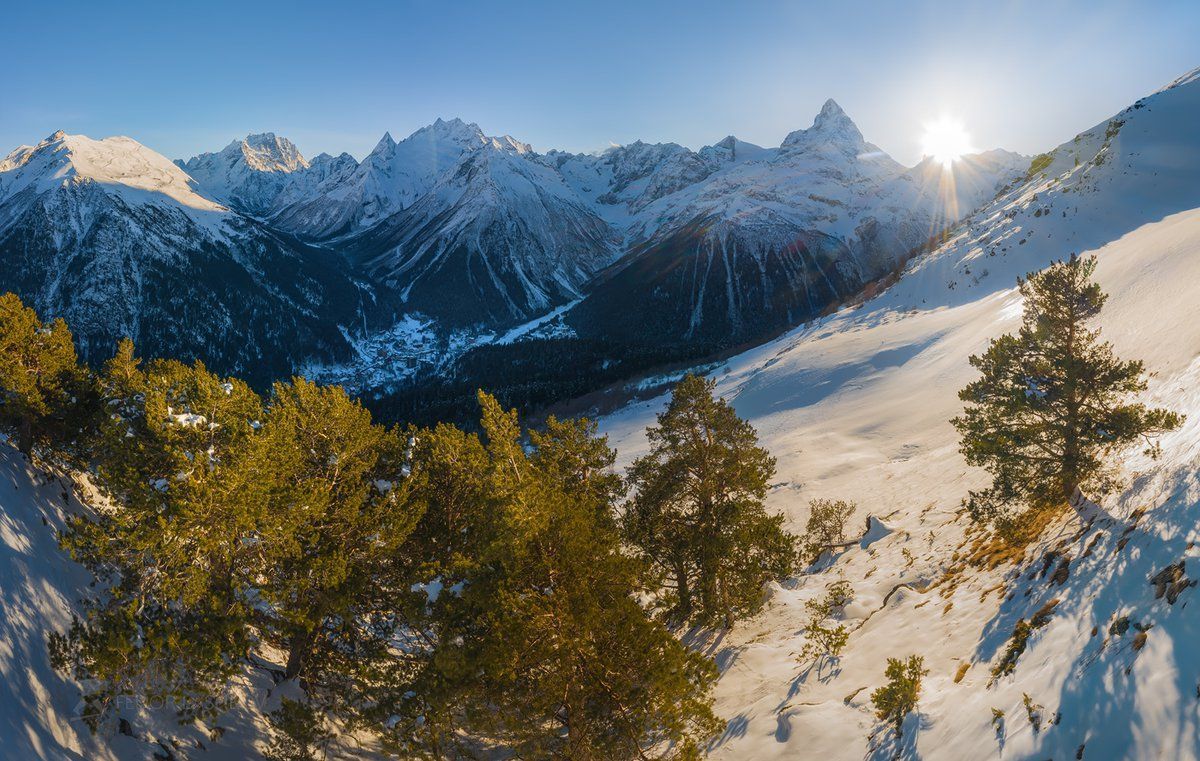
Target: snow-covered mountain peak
point(386, 143)
point(830, 110)
point(391, 178)
point(732, 150)
point(264, 152)
point(249, 173)
point(510, 143)
point(831, 129)
point(453, 131)
point(119, 164)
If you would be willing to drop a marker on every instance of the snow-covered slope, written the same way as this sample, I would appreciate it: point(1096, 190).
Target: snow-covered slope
point(39, 717)
point(111, 236)
point(248, 174)
point(40, 588)
point(302, 185)
point(856, 406)
point(121, 165)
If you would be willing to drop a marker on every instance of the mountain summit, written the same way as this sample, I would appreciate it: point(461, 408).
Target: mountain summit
point(248, 174)
point(120, 164)
point(389, 179)
point(832, 130)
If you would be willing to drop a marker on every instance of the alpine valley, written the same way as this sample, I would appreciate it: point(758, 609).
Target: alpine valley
point(441, 257)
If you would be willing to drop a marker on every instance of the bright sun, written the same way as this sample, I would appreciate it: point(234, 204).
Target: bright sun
point(945, 140)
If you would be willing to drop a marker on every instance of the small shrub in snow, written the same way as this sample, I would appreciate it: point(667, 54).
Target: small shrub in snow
point(898, 698)
point(826, 527)
point(1020, 638)
point(826, 640)
point(1033, 711)
point(1039, 164)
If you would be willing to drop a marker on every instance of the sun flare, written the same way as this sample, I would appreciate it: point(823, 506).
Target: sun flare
point(945, 140)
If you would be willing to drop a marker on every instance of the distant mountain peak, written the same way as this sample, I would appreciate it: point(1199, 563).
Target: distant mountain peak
point(386, 143)
point(832, 128)
point(120, 165)
point(830, 110)
point(263, 152)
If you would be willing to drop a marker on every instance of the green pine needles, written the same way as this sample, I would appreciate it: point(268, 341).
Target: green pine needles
point(698, 516)
point(1053, 403)
point(451, 593)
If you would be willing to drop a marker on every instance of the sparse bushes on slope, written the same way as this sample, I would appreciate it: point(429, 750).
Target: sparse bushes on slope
point(825, 640)
point(1039, 164)
point(826, 527)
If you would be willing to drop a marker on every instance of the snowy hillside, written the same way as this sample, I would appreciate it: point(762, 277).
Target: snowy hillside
point(856, 406)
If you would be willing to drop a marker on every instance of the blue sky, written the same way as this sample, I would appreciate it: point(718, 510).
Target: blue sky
point(188, 77)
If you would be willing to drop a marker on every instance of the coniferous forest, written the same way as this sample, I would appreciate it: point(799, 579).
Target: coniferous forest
point(445, 591)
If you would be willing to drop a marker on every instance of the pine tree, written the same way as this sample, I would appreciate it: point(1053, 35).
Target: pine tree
point(537, 639)
point(336, 514)
point(174, 552)
point(698, 517)
point(40, 378)
point(1053, 403)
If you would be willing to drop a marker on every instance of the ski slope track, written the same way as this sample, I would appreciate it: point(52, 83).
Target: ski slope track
point(857, 406)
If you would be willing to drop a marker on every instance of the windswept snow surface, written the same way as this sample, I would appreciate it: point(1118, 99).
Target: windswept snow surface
point(857, 406)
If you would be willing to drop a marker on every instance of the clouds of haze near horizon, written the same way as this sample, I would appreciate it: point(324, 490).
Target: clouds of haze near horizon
point(580, 76)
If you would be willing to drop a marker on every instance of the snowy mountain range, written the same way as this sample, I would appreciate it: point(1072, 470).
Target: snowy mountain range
point(112, 236)
point(472, 236)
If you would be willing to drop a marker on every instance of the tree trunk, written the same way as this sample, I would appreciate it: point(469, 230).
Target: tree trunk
point(1083, 507)
point(25, 436)
point(299, 648)
point(684, 591)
